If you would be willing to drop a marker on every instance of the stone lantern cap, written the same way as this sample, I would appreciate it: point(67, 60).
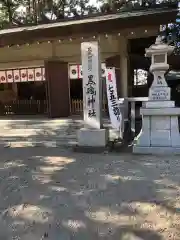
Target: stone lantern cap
point(159, 48)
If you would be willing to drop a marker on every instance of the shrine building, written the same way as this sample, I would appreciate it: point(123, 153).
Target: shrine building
point(40, 66)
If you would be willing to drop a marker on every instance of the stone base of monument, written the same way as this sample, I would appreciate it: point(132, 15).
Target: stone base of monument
point(160, 131)
point(156, 150)
point(92, 140)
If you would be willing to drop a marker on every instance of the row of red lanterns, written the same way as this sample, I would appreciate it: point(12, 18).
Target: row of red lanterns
point(22, 75)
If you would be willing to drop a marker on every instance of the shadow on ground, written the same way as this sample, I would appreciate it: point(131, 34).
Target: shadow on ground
point(44, 129)
point(50, 193)
point(41, 130)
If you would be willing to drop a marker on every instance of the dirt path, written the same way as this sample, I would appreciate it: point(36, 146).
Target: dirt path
point(50, 193)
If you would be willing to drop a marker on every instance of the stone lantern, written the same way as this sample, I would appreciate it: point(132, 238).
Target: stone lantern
point(159, 90)
point(160, 129)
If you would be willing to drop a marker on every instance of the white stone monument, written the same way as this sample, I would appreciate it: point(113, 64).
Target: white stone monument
point(92, 135)
point(160, 129)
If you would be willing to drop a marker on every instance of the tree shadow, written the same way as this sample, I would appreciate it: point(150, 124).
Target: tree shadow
point(56, 194)
point(38, 129)
point(43, 130)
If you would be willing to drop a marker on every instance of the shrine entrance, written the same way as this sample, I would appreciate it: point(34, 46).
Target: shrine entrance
point(23, 92)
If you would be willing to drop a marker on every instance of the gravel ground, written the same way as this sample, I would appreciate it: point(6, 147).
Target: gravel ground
point(50, 193)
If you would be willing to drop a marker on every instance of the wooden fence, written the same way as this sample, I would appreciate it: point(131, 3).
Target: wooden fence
point(77, 107)
point(35, 107)
point(23, 107)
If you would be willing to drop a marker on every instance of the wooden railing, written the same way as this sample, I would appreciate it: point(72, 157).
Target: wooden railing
point(77, 107)
point(23, 107)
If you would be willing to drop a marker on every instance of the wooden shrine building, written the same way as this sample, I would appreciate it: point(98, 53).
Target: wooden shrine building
point(40, 66)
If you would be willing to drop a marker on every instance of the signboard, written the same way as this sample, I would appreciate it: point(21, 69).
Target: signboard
point(114, 110)
point(22, 75)
point(160, 93)
point(92, 84)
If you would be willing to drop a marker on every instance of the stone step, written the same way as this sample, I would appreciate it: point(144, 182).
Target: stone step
point(39, 132)
point(62, 137)
point(18, 144)
point(55, 141)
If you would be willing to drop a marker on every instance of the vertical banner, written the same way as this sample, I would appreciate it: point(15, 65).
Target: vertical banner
point(113, 105)
point(30, 74)
point(92, 84)
point(3, 78)
point(38, 74)
point(73, 72)
point(10, 76)
point(24, 75)
point(16, 74)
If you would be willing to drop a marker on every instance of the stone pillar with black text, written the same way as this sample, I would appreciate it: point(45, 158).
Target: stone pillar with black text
point(93, 134)
point(160, 129)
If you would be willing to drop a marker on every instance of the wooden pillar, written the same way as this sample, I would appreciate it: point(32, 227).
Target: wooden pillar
point(15, 89)
point(57, 88)
point(121, 63)
point(124, 66)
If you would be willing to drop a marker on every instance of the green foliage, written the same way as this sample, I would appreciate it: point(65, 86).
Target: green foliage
point(23, 12)
point(20, 12)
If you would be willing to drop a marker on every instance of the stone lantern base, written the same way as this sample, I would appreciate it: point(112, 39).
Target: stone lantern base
point(160, 129)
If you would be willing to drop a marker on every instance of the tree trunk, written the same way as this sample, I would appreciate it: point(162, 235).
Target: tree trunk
point(9, 10)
